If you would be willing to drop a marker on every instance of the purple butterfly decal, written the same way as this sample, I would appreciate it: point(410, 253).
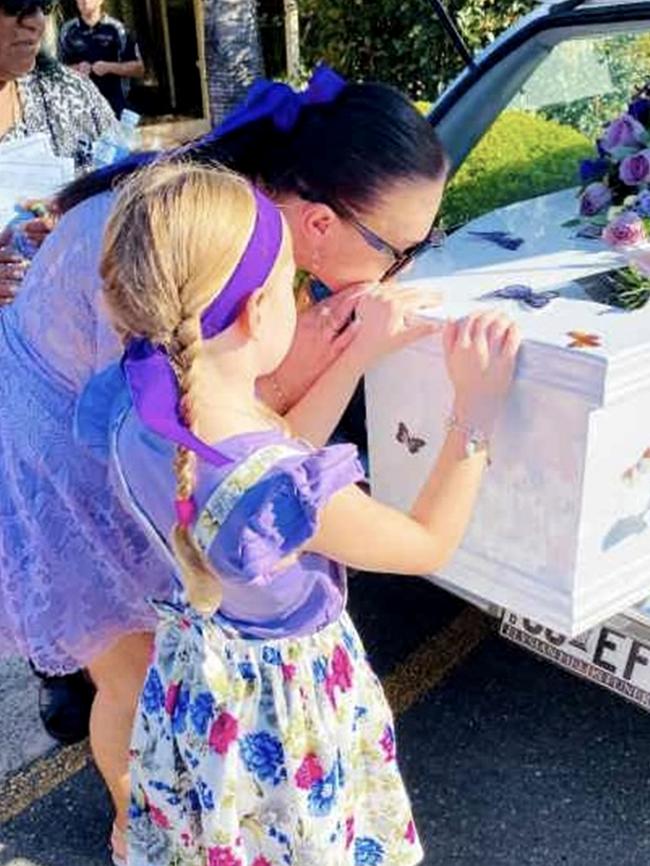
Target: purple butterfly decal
point(502, 239)
point(413, 443)
point(590, 232)
point(524, 294)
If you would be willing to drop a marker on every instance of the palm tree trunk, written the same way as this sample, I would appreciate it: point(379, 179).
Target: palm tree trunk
point(233, 52)
point(292, 40)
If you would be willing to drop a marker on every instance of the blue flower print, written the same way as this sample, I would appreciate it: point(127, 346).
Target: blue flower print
point(367, 852)
point(271, 655)
point(205, 793)
point(201, 712)
point(263, 756)
point(319, 667)
point(348, 640)
point(179, 714)
point(153, 694)
point(246, 670)
point(323, 794)
point(193, 800)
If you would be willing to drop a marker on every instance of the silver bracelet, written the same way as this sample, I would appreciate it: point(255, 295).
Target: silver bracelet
point(475, 439)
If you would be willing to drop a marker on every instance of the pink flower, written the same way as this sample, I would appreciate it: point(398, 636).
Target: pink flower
point(387, 743)
point(342, 669)
point(288, 672)
point(349, 831)
point(595, 198)
point(640, 259)
point(625, 131)
point(330, 686)
point(308, 772)
point(221, 856)
point(410, 833)
point(261, 861)
point(158, 817)
point(635, 169)
point(171, 697)
point(626, 230)
point(223, 733)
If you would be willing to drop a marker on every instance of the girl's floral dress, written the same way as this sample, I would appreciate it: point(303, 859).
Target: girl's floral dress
point(276, 751)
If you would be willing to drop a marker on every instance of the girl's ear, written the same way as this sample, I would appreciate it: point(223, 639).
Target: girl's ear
point(250, 318)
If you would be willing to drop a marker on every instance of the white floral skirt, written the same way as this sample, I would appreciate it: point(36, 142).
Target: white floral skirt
point(264, 753)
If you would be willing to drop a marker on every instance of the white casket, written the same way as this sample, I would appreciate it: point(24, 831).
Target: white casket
point(561, 533)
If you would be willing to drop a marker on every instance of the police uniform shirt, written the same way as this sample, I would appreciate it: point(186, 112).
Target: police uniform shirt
point(107, 40)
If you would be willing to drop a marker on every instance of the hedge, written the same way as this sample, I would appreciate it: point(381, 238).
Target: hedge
point(521, 156)
point(398, 41)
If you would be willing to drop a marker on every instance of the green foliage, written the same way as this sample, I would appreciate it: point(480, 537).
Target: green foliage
point(627, 288)
point(399, 41)
point(521, 156)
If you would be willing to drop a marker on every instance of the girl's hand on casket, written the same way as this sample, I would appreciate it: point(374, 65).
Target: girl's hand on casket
point(480, 352)
point(386, 319)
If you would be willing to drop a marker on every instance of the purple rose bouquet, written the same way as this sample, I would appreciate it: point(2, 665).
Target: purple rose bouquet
point(615, 201)
point(615, 193)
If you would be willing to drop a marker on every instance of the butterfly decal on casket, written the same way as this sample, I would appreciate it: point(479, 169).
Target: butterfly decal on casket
point(413, 443)
point(583, 340)
point(502, 239)
point(524, 294)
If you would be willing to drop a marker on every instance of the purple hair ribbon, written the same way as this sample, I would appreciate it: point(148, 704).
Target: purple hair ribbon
point(148, 371)
point(276, 101)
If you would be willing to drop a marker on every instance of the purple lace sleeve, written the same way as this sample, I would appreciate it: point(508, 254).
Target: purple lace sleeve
point(277, 515)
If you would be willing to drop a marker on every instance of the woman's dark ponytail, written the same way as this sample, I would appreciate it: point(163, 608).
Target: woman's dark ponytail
point(342, 152)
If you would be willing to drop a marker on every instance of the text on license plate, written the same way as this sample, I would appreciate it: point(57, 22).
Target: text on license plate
point(603, 655)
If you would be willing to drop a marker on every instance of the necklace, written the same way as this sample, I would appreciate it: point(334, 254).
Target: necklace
point(9, 107)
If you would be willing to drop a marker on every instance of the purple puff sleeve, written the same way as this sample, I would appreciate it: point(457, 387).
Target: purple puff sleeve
point(279, 513)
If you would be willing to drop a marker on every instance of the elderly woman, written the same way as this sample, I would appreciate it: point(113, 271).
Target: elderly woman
point(39, 95)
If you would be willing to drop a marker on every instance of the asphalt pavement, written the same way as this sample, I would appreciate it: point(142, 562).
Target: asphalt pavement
point(509, 760)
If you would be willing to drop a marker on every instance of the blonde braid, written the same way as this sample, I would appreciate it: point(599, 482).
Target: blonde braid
point(201, 581)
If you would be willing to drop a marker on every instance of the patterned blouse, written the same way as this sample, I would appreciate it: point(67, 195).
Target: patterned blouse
point(65, 106)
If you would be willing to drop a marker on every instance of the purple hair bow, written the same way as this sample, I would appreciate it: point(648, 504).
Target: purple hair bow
point(279, 102)
point(148, 371)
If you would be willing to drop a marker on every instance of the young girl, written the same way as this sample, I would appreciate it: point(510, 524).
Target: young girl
point(262, 736)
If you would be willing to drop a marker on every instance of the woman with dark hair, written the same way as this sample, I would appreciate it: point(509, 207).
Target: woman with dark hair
point(359, 175)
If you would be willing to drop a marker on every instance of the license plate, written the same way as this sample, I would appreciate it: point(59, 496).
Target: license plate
point(603, 655)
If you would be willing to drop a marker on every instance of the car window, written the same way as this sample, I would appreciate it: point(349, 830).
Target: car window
point(536, 143)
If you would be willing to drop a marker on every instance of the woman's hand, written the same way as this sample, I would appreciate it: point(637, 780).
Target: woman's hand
point(12, 269)
point(480, 351)
point(386, 319)
point(13, 265)
point(322, 333)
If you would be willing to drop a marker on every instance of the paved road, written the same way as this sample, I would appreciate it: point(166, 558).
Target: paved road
point(510, 761)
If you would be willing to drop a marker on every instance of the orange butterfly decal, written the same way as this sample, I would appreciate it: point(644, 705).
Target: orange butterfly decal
point(581, 340)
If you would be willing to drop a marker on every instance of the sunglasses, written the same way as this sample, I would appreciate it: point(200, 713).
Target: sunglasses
point(25, 8)
point(434, 239)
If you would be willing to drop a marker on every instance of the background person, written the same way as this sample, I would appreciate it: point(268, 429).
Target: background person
point(99, 46)
point(39, 95)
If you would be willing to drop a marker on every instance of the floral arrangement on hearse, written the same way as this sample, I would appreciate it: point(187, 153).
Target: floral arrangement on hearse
point(615, 199)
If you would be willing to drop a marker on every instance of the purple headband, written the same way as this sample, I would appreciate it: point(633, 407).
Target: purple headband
point(148, 371)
